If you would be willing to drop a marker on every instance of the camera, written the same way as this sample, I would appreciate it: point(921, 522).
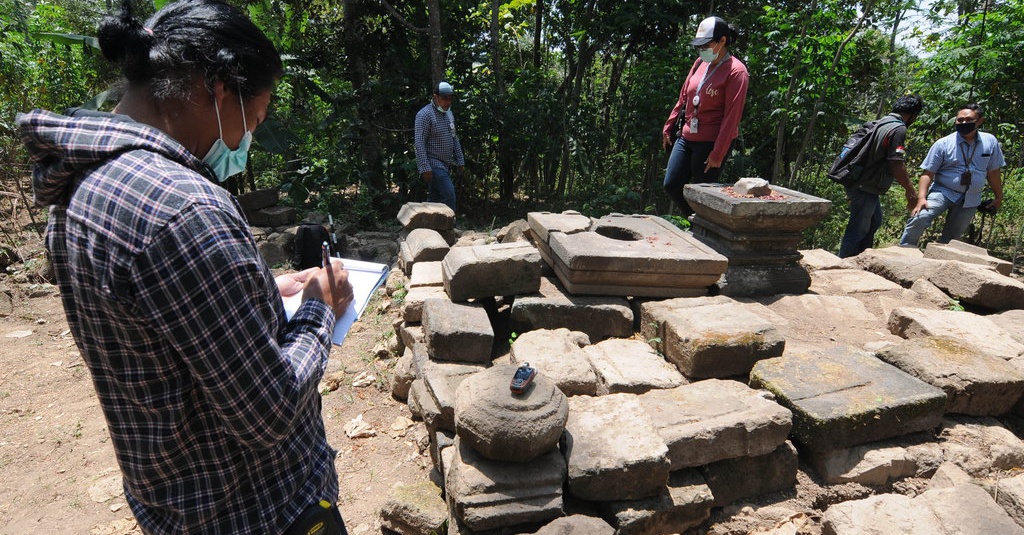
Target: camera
point(965, 178)
point(986, 206)
point(522, 378)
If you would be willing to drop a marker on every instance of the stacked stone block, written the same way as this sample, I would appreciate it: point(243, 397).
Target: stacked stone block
point(653, 431)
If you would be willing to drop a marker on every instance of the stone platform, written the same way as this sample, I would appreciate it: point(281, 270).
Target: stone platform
point(634, 255)
point(759, 236)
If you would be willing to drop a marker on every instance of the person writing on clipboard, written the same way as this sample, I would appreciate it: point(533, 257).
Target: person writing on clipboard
point(707, 115)
point(209, 393)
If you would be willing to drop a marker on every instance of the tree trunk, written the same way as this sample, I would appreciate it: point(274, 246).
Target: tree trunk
point(537, 27)
point(369, 137)
point(436, 46)
point(505, 163)
point(824, 90)
point(780, 131)
point(882, 102)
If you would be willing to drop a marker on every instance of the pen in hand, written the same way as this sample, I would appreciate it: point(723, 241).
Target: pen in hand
point(325, 251)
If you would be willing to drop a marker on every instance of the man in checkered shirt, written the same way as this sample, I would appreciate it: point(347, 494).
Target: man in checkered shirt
point(437, 146)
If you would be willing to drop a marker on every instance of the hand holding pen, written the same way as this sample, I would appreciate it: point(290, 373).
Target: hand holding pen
point(330, 283)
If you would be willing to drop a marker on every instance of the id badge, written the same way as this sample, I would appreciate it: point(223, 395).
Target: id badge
point(693, 125)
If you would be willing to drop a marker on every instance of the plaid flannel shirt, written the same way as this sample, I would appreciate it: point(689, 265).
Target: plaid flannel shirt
point(436, 143)
point(210, 396)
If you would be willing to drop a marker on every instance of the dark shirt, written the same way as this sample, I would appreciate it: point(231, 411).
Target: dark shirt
point(888, 146)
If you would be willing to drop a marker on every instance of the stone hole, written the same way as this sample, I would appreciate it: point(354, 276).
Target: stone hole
point(619, 233)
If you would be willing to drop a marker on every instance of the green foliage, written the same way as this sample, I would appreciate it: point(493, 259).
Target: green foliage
point(575, 117)
point(677, 220)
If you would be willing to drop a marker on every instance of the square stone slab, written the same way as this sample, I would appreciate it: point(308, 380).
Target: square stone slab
point(613, 450)
point(685, 503)
point(488, 494)
point(965, 252)
point(959, 510)
point(432, 215)
point(971, 328)
point(491, 270)
point(976, 383)
point(599, 317)
point(793, 213)
point(712, 420)
point(842, 397)
point(630, 366)
point(711, 337)
point(634, 255)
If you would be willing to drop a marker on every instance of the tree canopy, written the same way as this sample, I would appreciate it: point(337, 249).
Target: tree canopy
point(560, 103)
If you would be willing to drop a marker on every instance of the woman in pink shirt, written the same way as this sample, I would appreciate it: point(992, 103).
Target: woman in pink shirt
point(707, 115)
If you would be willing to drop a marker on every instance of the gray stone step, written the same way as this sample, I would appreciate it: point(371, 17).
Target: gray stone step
point(421, 245)
point(979, 286)
point(491, 270)
point(551, 307)
point(613, 450)
point(842, 397)
point(710, 337)
point(432, 215)
point(960, 510)
point(486, 494)
point(712, 420)
point(414, 508)
point(630, 366)
point(684, 503)
point(731, 480)
point(457, 331)
point(558, 354)
point(965, 252)
point(975, 382)
point(973, 329)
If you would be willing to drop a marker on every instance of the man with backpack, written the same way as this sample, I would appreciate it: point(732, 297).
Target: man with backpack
point(881, 143)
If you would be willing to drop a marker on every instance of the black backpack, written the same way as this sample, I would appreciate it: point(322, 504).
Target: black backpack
point(856, 153)
point(308, 240)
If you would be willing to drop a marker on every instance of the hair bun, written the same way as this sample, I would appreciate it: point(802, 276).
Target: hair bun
point(124, 42)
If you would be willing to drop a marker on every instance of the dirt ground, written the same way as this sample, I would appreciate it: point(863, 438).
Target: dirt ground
point(57, 468)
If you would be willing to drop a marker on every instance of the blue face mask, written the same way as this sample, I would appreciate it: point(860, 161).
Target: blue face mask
point(224, 161)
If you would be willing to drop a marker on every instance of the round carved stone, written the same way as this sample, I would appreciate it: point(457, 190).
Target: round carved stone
point(503, 426)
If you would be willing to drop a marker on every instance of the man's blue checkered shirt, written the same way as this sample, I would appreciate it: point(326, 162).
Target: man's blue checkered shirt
point(436, 143)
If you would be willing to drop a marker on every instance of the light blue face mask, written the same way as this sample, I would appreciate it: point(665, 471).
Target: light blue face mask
point(224, 161)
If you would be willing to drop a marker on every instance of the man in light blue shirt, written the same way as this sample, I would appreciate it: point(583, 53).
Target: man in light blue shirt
point(437, 146)
point(955, 172)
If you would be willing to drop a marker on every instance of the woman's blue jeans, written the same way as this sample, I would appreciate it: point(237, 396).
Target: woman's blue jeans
point(685, 166)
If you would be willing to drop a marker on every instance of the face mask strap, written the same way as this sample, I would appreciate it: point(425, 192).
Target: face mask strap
point(220, 131)
point(245, 124)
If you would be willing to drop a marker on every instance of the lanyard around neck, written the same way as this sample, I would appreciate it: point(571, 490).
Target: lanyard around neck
point(974, 149)
point(708, 73)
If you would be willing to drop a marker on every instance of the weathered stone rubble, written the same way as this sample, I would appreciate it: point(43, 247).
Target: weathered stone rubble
point(650, 414)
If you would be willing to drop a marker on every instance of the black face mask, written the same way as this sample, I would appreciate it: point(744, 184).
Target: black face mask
point(965, 128)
